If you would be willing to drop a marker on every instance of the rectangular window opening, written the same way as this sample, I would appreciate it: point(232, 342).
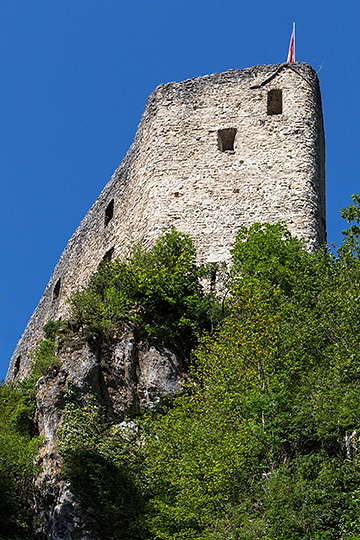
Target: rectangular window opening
point(226, 138)
point(17, 366)
point(274, 101)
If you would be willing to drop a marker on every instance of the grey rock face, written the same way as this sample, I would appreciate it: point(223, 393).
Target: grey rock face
point(158, 376)
point(127, 378)
point(139, 375)
point(63, 517)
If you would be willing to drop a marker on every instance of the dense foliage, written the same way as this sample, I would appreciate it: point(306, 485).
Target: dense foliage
point(158, 290)
point(264, 444)
point(19, 442)
point(18, 447)
point(264, 441)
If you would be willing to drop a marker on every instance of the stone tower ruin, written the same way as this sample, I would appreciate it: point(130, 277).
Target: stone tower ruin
point(210, 154)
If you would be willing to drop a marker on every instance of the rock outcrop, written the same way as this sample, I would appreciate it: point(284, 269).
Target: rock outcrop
point(126, 378)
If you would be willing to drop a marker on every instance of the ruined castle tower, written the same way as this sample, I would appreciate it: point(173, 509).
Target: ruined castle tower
point(210, 154)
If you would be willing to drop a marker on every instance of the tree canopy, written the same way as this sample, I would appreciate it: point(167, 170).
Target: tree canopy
point(263, 442)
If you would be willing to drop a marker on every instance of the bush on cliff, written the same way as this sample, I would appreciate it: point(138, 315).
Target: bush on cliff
point(158, 290)
point(19, 443)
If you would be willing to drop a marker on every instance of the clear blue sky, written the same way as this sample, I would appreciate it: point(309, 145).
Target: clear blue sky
point(75, 76)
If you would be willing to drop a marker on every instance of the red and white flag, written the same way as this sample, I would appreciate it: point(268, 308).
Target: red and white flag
point(291, 53)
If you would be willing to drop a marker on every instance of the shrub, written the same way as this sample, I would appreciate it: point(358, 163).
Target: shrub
point(158, 290)
point(19, 442)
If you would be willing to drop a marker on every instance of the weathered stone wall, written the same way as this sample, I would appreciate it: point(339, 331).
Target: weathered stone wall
point(182, 171)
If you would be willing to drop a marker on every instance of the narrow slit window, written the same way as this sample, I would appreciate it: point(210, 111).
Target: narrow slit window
point(226, 138)
point(108, 255)
point(56, 291)
point(17, 366)
point(274, 101)
point(109, 212)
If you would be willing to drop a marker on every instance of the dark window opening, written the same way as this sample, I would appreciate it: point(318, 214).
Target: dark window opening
point(109, 212)
point(17, 366)
point(274, 102)
point(226, 138)
point(108, 255)
point(57, 289)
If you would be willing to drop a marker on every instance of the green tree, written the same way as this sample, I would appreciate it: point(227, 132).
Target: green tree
point(158, 290)
point(206, 452)
point(256, 446)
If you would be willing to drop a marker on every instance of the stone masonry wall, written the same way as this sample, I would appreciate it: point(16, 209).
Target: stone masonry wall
point(211, 154)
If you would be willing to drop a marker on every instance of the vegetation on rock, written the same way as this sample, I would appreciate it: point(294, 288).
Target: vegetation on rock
point(19, 443)
point(103, 465)
point(18, 448)
point(263, 442)
point(157, 290)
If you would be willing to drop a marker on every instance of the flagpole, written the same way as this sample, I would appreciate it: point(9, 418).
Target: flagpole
point(294, 41)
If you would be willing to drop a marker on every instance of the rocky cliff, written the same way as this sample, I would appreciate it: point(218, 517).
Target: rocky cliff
point(126, 377)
